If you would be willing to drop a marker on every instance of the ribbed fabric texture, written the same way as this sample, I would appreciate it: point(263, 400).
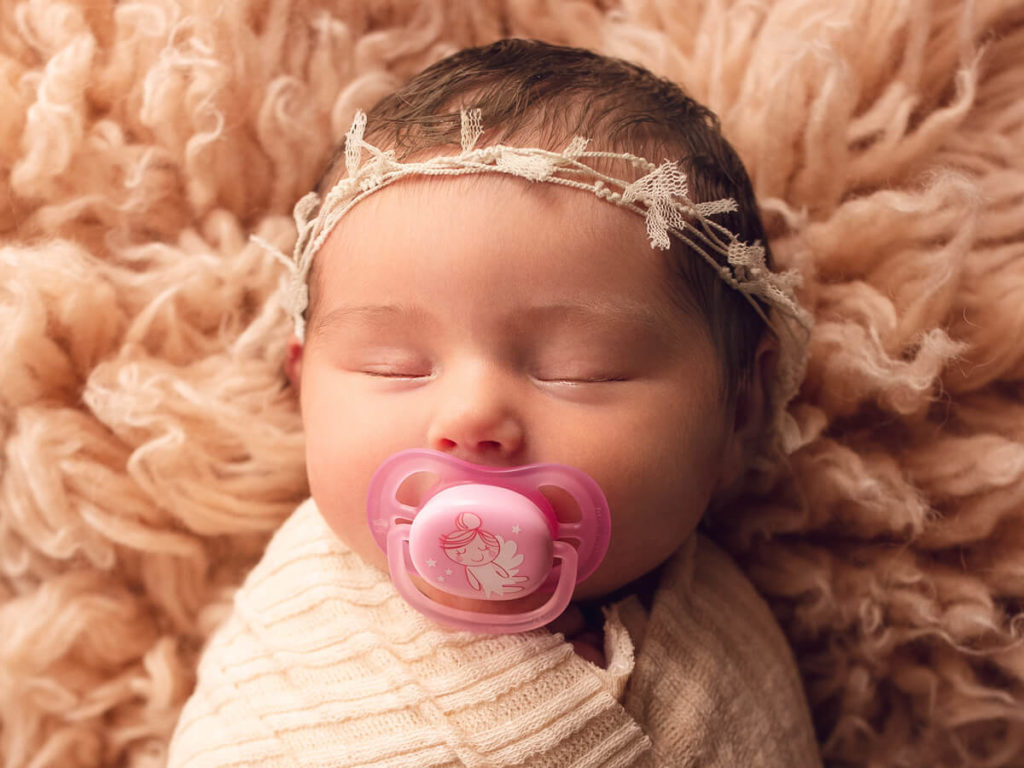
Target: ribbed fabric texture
point(322, 664)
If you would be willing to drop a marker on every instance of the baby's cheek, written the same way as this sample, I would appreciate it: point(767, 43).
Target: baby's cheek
point(339, 481)
point(646, 530)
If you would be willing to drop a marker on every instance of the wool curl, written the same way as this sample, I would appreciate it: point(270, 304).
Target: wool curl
point(151, 443)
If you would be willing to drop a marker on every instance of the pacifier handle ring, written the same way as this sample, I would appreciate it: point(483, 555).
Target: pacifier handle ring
point(460, 618)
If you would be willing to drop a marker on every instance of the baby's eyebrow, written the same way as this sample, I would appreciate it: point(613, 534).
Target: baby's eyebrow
point(598, 313)
point(339, 317)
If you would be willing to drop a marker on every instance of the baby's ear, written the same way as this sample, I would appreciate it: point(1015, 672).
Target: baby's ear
point(293, 361)
point(749, 416)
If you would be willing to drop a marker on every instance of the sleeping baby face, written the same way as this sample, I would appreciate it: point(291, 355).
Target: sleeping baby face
point(508, 323)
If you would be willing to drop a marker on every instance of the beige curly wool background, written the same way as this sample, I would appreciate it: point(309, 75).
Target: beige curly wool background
point(150, 443)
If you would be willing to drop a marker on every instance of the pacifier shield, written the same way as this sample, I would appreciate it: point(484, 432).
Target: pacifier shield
point(488, 534)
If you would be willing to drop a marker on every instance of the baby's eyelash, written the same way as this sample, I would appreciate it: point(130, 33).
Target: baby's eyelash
point(384, 372)
point(583, 379)
point(395, 375)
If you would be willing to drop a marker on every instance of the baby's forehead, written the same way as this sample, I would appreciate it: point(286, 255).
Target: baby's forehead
point(557, 254)
point(491, 211)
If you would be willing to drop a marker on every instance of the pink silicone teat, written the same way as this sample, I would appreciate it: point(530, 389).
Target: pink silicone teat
point(486, 534)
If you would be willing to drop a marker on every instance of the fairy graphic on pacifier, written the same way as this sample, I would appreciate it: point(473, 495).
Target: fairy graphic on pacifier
point(488, 534)
point(490, 561)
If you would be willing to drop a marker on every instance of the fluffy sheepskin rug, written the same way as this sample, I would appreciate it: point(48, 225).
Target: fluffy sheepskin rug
point(151, 444)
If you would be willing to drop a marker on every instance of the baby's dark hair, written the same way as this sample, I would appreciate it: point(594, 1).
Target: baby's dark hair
point(537, 94)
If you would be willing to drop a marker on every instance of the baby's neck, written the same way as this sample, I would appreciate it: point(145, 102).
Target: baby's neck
point(583, 627)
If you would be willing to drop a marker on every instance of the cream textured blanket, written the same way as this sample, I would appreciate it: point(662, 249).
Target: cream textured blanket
point(149, 446)
point(321, 663)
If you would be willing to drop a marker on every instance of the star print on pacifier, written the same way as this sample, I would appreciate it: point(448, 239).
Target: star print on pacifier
point(486, 533)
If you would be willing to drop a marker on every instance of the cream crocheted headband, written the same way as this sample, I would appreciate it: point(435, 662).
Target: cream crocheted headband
point(660, 195)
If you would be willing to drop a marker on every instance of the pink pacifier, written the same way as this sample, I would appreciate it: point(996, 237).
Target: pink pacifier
point(488, 534)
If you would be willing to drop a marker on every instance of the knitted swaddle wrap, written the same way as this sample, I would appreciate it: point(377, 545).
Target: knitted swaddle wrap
point(322, 664)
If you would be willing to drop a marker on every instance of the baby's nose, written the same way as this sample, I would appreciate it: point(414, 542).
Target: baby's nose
point(477, 418)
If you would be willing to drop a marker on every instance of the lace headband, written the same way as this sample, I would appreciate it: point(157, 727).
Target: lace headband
point(660, 195)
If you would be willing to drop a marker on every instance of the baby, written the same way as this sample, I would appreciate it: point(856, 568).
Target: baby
point(483, 297)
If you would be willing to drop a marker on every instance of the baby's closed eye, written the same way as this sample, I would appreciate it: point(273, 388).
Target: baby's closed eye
point(581, 364)
point(392, 371)
point(580, 377)
point(388, 362)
